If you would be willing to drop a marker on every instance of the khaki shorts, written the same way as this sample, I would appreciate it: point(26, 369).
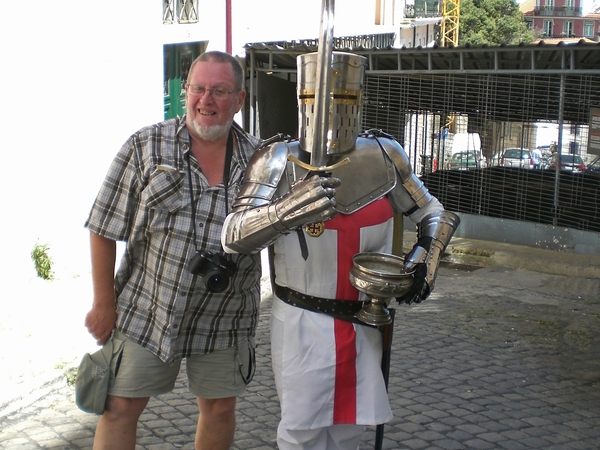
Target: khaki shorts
point(136, 372)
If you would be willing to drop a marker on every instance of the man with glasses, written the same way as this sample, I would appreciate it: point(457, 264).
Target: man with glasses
point(176, 293)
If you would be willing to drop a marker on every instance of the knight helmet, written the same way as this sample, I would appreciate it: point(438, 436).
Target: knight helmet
point(345, 99)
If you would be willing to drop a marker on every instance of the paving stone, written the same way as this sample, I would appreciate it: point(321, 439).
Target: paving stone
point(478, 444)
point(467, 371)
point(449, 444)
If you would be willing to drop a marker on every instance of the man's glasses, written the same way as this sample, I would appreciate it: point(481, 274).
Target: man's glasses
point(217, 93)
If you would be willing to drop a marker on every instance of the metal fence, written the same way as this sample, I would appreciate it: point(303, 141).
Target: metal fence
point(438, 102)
point(408, 107)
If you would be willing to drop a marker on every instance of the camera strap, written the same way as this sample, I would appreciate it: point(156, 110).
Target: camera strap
point(226, 175)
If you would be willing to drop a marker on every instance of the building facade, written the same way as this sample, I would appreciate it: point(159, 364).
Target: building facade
point(419, 25)
point(561, 19)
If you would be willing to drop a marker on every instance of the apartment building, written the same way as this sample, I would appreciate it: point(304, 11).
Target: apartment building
point(561, 20)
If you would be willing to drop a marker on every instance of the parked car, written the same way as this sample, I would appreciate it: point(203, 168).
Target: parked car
point(466, 161)
point(494, 160)
point(594, 166)
point(568, 162)
point(517, 157)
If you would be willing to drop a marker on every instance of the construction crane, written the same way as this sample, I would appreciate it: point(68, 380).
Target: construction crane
point(450, 19)
point(449, 37)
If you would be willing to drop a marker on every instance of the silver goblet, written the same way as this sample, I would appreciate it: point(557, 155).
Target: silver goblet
point(382, 277)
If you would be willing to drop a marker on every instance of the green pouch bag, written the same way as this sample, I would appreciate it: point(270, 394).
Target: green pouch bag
point(91, 384)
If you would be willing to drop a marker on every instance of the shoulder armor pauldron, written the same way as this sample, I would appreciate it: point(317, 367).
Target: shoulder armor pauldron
point(265, 170)
point(413, 185)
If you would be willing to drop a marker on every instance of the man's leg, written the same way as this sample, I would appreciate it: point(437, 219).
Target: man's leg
point(117, 427)
point(216, 424)
point(217, 379)
point(136, 375)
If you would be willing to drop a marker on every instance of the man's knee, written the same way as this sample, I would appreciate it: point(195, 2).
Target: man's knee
point(123, 408)
point(217, 408)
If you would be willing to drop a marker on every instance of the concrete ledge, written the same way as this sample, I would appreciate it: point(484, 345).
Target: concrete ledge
point(484, 241)
point(528, 233)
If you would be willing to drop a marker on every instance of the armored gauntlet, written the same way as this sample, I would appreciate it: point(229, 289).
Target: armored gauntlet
point(307, 201)
point(434, 234)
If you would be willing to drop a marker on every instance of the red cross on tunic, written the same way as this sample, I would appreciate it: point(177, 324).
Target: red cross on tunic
point(348, 229)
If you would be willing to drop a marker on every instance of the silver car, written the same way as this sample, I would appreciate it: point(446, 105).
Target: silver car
point(568, 162)
point(517, 157)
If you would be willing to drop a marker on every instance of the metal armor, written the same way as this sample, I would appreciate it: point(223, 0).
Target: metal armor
point(433, 235)
point(283, 191)
point(250, 229)
point(344, 98)
point(278, 180)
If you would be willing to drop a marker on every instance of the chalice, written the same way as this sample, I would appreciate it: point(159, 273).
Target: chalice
point(381, 277)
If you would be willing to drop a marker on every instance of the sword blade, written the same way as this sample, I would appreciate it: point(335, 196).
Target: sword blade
point(318, 156)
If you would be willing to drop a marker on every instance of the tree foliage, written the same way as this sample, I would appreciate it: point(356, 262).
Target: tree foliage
point(492, 22)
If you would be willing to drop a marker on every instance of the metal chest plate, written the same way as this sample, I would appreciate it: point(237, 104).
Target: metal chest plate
point(368, 177)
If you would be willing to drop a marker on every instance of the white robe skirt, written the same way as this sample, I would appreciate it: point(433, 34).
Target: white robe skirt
point(328, 371)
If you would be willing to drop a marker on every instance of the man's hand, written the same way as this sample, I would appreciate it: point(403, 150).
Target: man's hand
point(100, 322)
point(308, 201)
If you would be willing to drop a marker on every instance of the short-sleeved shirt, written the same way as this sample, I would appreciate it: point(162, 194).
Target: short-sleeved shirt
point(146, 201)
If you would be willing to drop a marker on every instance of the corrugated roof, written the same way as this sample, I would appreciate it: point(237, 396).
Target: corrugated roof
point(523, 65)
point(543, 57)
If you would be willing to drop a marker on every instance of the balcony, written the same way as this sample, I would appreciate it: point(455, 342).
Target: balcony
point(558, 11)
point(423, 8)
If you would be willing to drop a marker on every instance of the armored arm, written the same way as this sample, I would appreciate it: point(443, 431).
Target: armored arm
point(433, 235)
point(436, 226)
point(260, 214)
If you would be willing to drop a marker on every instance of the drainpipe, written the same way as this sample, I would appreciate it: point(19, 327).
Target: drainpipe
point(228, 26)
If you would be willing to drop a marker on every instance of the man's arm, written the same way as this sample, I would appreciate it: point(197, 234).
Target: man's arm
point(101, 319)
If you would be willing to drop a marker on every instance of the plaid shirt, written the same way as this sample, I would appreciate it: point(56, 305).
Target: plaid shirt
point(145, 200)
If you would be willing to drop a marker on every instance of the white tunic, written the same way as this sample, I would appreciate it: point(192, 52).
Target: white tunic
point(328, 371)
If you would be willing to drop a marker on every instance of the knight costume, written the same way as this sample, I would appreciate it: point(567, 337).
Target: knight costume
point(326, 363)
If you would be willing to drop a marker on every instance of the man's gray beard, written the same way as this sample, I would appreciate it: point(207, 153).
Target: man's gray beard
point(211, 133)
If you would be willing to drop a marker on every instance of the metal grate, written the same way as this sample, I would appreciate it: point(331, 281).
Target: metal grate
point(521, 194)
point(428, 111)
point(509, 97)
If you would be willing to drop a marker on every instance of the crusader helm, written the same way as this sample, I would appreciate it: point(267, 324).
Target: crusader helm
point(345, 98)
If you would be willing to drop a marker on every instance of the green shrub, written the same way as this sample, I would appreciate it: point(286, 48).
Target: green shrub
point(42, 261)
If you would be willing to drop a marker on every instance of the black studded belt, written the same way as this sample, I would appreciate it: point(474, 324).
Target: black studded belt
point(340, 309)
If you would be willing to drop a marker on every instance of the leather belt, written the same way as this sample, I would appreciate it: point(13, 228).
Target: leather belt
point(339, 309)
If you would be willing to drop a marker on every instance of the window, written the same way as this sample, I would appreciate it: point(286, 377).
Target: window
point(588, 29)
point(187, 11)
point(168, 11)
point(547, 28)
point(182, 11)
point(549, 4)
point(570, 4)
point(568, 28)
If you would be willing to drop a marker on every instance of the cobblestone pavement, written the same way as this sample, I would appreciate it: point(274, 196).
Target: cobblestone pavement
point(498, 358)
